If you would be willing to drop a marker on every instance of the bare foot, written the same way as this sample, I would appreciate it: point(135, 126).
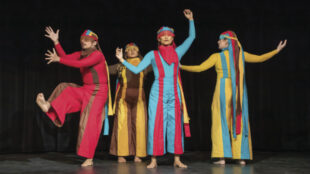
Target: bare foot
point(153, 164)
point(121, 159)
point(242, 162)
point(42, 103)
point(87, 163)
point(137, 160)
point(179, 164)
point(219, 162)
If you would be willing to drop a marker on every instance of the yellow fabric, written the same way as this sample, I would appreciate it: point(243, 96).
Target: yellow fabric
point(122, 138)
point(252, 58)
point(140, 123)
point(110, 110)
point(216, 129)
point(185, 113)
point(122, 128)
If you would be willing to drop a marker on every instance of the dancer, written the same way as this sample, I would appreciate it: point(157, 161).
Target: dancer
point(129, 130)
point(90, 98)
point(165, 101)
point(230, 130)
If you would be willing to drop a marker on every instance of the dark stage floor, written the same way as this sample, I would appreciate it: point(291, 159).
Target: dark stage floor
point(198, 162)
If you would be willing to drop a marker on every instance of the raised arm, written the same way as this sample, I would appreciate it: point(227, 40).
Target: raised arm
point(54, 36)
point(252, 58)
point(91, 60)
point(181, 50)
point(135, 69)
point(207, 64)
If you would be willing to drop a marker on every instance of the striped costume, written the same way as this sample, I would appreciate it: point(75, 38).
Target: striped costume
point(130, 121)
point(166, 110)
point(230, 130)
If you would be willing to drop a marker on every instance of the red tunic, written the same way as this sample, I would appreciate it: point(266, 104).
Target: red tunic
point(89, 99)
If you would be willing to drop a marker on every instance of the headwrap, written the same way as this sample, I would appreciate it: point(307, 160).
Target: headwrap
point(239, 90)
point(131, 45)
point(167, 52)
point(89, 33)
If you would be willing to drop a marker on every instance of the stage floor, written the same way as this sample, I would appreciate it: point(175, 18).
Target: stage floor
point(198, 162)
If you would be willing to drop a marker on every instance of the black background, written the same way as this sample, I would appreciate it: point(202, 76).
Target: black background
point(278, 89)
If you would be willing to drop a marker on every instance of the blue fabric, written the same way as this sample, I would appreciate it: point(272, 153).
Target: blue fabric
point(168, 92)
point(223, 104)
point(106, 121)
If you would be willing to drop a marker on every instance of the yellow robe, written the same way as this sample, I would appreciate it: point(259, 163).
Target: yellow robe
point(220, 148)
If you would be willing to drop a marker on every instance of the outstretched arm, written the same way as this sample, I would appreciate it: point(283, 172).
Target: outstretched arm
point(181, 50)
point(91, 60)
point(252, 58)
point(207, 64)
point(135, 69)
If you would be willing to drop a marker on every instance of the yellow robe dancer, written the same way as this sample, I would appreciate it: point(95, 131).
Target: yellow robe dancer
point(130, 122)
point(230, 132)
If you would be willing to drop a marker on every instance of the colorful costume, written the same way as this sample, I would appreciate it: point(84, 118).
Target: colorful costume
point(90, 98)
point(130, 121)
point(165, 111)
point(230, 130)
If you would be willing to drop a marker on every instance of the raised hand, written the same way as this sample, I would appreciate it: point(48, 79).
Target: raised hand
point(188, 14)
point(119, 54)
point(281, 45)
point(54, 36)
point(52, 56)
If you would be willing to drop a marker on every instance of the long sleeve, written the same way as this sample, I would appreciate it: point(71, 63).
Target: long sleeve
point(207, 64)
point(91, 60)
point(146, 61)
point(252, 58)
point(181, 50)
point(113, 69)
point(61, 53)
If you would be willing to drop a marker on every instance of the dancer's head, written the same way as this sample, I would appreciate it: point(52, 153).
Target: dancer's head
point(225, 39)
point(132, 51)
point(89, 40)
point(165, 36)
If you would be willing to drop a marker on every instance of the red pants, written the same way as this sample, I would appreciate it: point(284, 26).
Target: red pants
point(90, 100)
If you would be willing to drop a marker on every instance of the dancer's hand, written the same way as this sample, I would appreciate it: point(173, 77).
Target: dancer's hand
point(119, 54)
point(52, 56)
point(188, 14)
point(54, 36)
point(281, 45)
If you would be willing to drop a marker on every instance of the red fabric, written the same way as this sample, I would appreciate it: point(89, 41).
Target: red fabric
point(238, 124)
point(89, 99)
point(178, 149)
point(74, 99)
point(187, 130)
point(158, 138)
point(94, 63)
point(169, 33)
point(168, 53)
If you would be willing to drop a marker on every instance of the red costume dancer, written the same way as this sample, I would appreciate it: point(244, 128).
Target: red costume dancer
point(89, 99)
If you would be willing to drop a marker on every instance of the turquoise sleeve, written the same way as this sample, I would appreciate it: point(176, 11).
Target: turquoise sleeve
point(142, 65)
point(181, 50)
